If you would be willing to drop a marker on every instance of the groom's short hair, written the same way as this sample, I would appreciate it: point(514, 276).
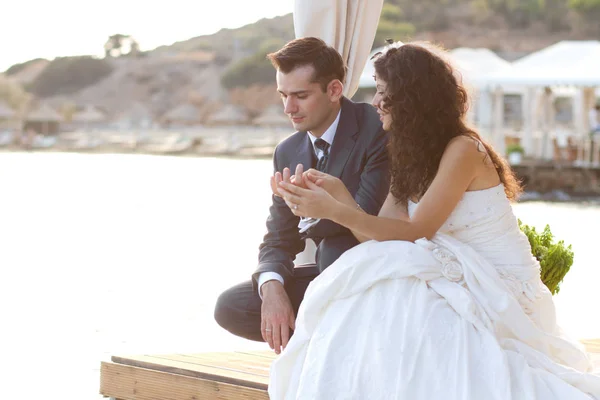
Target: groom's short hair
point(326, 60)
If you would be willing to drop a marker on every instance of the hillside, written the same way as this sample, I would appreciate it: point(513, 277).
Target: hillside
point(207, 68)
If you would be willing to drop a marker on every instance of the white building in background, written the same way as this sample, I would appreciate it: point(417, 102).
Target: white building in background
point(569, 70)
point(536, 99)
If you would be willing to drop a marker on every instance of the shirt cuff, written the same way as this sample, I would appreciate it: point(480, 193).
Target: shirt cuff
point(268, 276)
point(306, 223)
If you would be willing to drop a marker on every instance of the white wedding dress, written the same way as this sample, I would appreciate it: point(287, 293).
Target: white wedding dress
point(463, 316)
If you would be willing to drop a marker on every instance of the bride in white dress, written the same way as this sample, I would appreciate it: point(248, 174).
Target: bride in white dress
point(443, 298)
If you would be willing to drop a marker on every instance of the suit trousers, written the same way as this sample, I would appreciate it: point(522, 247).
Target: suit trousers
point(238, 309)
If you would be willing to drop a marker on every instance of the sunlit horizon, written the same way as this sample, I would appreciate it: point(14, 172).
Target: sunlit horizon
point(65, 28)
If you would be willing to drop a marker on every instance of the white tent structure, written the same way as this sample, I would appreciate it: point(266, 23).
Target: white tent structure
point(475, 65)
point(566, 64)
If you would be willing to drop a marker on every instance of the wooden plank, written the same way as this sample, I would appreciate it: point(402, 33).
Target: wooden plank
point(593, 346)
point(133, 383)
point(227, 362)
point(197, 370)
point(239, 370)
point(265, 354)
point(238, 361)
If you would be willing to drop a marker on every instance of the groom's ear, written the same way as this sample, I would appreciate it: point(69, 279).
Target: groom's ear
point(335, 90)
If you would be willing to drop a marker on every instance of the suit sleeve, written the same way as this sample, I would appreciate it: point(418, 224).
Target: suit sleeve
point(282, 241)
point(375, 178)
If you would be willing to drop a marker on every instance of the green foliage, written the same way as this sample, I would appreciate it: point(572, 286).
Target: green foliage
point(70, 74)
point(12, 94)
point(590, 12)
point(584, 5)
point(515, 148)
point(554, 257)
point(391, 12)
point(392, 30)
point(392, 25)
point(255, 69)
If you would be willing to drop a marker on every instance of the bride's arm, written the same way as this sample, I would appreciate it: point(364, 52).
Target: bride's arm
point(389, 210)
point(460, 164)
point(458, 167)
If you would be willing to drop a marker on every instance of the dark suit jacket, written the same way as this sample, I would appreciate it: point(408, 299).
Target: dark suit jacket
point(358, 156)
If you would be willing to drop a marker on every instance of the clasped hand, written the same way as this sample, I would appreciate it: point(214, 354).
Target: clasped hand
point(310, 193)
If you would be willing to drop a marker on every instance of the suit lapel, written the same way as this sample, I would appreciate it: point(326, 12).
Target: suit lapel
point(306, 154)
point(344, 140)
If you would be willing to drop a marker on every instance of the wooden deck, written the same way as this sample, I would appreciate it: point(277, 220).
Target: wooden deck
point(206, 376)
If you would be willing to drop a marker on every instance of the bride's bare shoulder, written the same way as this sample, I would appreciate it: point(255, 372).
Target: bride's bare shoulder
point(466, 147)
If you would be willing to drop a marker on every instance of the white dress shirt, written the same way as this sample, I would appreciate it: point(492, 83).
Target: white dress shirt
point(304, 223)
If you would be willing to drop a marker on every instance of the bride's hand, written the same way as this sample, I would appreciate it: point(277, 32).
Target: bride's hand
point(333, 185)
point(313, 202)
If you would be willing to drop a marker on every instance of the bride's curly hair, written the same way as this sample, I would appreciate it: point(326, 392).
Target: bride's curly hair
point(428, 104)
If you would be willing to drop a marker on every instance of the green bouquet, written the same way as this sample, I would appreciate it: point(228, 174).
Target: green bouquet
point(555, 258)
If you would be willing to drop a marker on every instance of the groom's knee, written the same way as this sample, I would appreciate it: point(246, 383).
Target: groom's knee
point(331, 248)
point(238, 311)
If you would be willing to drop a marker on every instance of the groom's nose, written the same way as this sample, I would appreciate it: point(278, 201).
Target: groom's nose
point(290, 106)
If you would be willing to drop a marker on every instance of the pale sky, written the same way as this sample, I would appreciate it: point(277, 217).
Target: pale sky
point(48, 29)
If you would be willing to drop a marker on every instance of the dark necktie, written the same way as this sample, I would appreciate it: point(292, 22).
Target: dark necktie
point(324, 147)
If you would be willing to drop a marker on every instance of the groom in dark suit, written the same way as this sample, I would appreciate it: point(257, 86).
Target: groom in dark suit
point(335, 135)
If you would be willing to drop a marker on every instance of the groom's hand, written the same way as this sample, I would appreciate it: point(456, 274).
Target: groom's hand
point(286, 176)
point(277, 315)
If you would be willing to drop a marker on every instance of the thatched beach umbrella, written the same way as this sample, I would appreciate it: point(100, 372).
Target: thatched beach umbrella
point(44, 116)
point(228, 115)
point(137, 116)
point(44, 113)
point(184, 113)
point(89, 115)
point(273, 116)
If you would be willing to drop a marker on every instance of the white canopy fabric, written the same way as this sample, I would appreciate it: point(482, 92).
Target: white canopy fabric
point(564, 63)
point(347, 25)
point(475, 64)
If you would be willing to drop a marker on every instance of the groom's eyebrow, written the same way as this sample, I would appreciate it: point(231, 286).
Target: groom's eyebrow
point(295, 92)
